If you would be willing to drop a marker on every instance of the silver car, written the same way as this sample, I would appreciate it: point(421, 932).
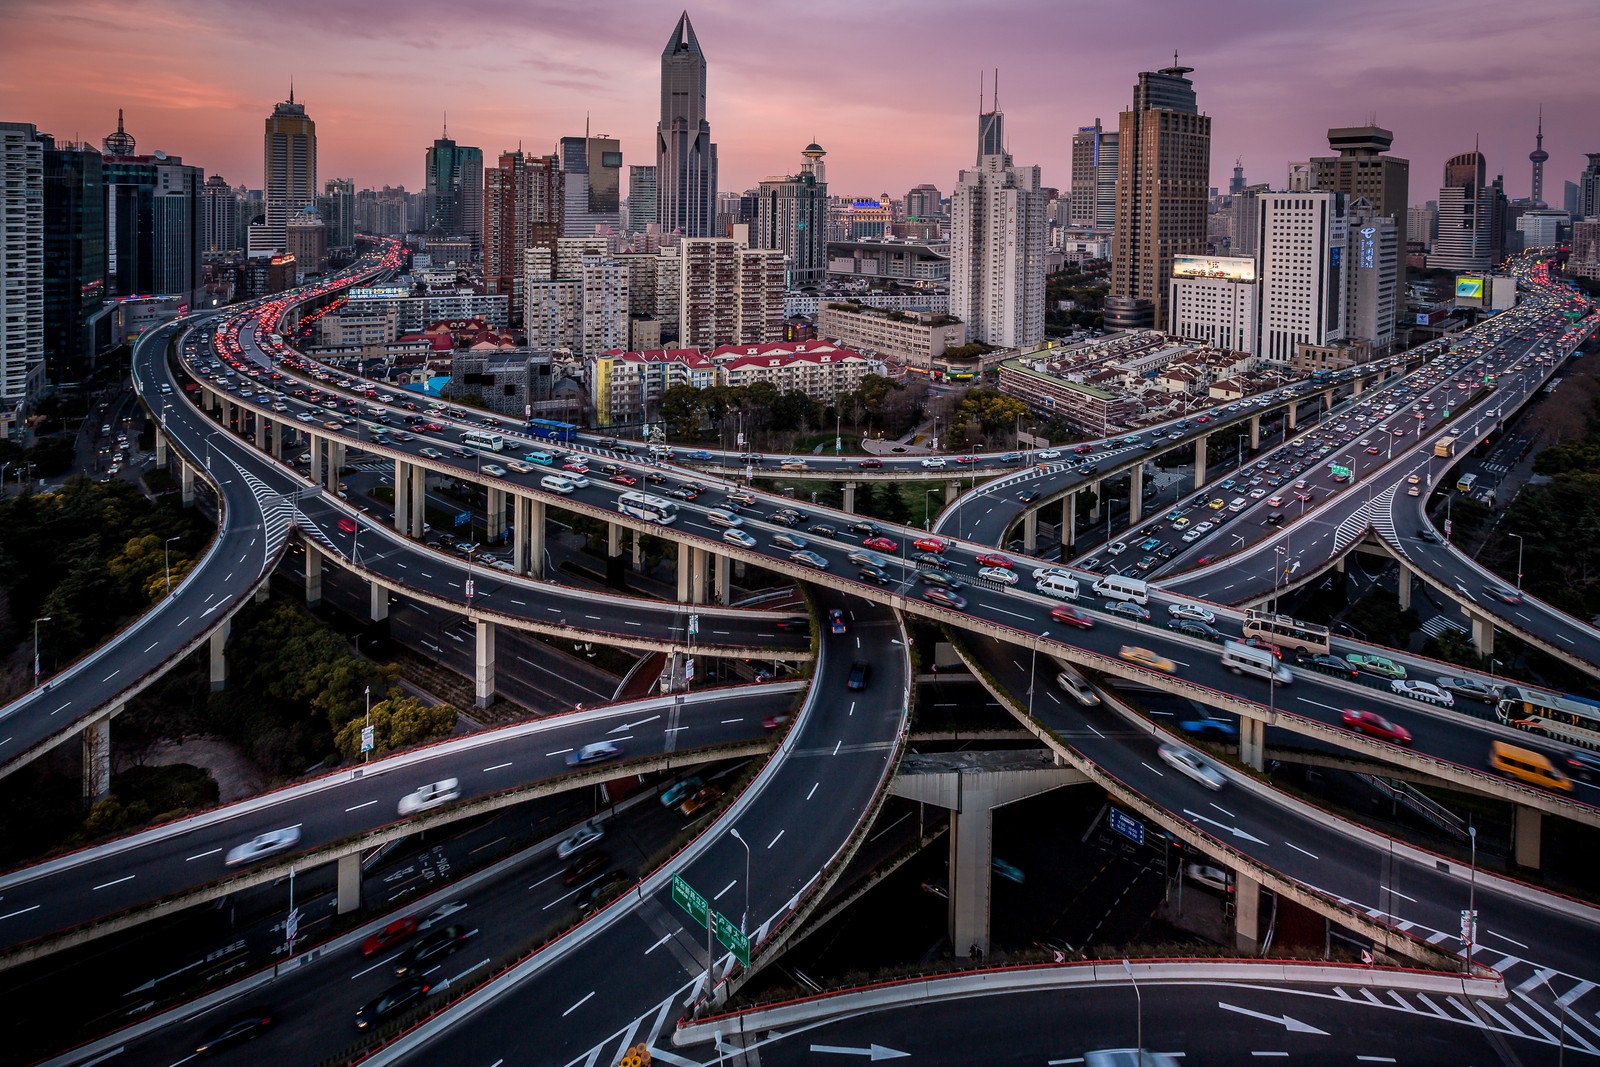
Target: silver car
point(260, 847)
point(430, 796)
point(1191, 764)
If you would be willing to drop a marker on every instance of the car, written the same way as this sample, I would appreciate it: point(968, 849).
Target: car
point(772, 722)
point(1190, 611)
point(994, 559)
point(1195, 628)
point(348, 525)
point(1205, 561)
point(1275, 502)
point(1378, 665)
point(1371, 724)
point(433, 945)
point(391, 934)
point(1050, 453)
point(944, 598)
point(392, 1001)
point(940, 579)
point(1149, 544)
point(823, 529)
point(1264, 645)
point(1580, 763)
point(1426, 692)
point(1128, 608)
point(576, 466)
point(578, 840)
point(1146, 658)
point(836, 621)
point(858, 675)
point(735, 536)
point(928, 559)
point(494, 469)
point(933, 462)
point(1468, 687)
point(1028, 496)
point(430, 796)
point(786, 517)
point(703, 797)
point(1504, 594)
point(966, 460)
point(1116, 548)
point(793, 542)
point(876, 575)
point(263, 845)
point(240, 1027)
point(686, 492)
point(881, 544)
point(1413, 479)
point(998, 574)
point(1217, 504)
point(807, 558)
point(1212, 877)
point(1180, 522)
point(1203, 725)
point(675, 793)
point(862, 557)
point(865, 528)
point(870, 462)
point(931, 544)
point(1190, 764)
point(624, 478)
point(1041, 573)
point(594, 752)
point(1066, 613)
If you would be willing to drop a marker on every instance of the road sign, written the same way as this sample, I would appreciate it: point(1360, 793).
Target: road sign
point(1469, 927)
point(292, 927)
point(367, 744)
point(1126, 825)
point(694, 625)
point(733, 940)
point(1447, 527)
point(684, 895)
point(463, 517)
point(688, 670)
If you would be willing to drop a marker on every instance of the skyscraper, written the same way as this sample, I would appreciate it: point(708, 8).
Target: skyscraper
point(1538, 157)
point(1083, 193)
point(686, 159)
point(641, 198)
point(997, 242)
point(219, 216)
point(153, 218)
point(452, 189)
point(289, 159)
point(21, 269)
point(522, 207)
point(337, 206)
point(1465, 239)
point(1301, 297)
point(924, 203)
point(591, 169)
point(1363, 171)
point(74, 256)
point(1164, 166)
point(792, 216)
point(991, 124)
point(1589, 188)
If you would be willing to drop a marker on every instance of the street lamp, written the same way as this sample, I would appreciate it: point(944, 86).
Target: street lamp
point(166, 557)
point(1139, 1000)
point(36, 623)
point(734, 833)
point(1472, 895)
point(1520, 544)
point(1033, 668)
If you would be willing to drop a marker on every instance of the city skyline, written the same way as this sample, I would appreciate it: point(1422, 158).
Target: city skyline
point(1441, 77)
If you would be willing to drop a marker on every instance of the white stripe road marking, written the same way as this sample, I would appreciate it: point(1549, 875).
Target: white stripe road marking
point(813, 791)
point(1317, 703)
point(664, 939)
point(775, 840)
point(1574, 993)
point(203, 855)
point(1437, 936)
point(1297, 848)
point(725, 889)
point(496, 767)
point(118, 881)
point(358, 807)
point(1503, 937)
point(564, 751)
point(24, 911)
point(578, 1005)
point(1538, 978)
point(1151, 769)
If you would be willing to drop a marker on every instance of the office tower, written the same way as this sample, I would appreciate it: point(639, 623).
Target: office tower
point(991, 124)
point(1164, 163)
point(605, 181)
point(1420, 224)
point(924, 203)
point(1538, 157)
point(997, 244)
point(452, 189)
point(1301, 295)
point(219, 216)
point(21, 270)
point(1588, 199)
point(1083, 194)
point(74, 257)
point(154, 216)
point(758, 296)
point(1569, 198)
point(289, 157)
point(1541, 227)
point(1373, 266)
point(792, 216)
point(1465, 240)
point(522, 207)
point(1105, 195)
point(1236, 184)
point(337, 206)
point(591, 169)
point(1362, 171)
point(1213, 299)
point(306, 239)
point(686, 159)
point(641, 198)
point(1245, 211)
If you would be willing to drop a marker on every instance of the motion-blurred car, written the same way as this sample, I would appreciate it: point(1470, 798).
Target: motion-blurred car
point(836, 622)
point(430, 796)
point(1071, 616)
point(595, 752)
point(578, 840)
point(240, 1027)
point(263, 845)
point(1372, 724)
point(1188, 762)
point(1146, 658)
point(391, 1001)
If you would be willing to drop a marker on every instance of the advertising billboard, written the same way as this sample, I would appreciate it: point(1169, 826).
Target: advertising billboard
point(1469, 288)
point(1232, 268)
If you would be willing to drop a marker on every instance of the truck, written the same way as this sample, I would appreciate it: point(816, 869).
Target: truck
point(1444, 446)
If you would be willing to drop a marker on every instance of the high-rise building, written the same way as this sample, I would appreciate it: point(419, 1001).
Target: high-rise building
point(1105, 193)
point(1373, 265)
point(74, 257)
point(1245, 208)
point(1541, 227)
point(1421, 223)
point(21, 270)
point(1164, 165)
point(1301, 297)
point(1362, 171)
point(154, 218)
point(792, 216)
point(337, 206)
point(686, 158)
point(1083, 194)
point(991, 124)
point(522, 207)
point(1237, 183)
point(642, 207)
point(452, 189)
point(1589, 188)
point(997, 245)
point(1569, 198)
point(289, 158)
point(306, 239)
point(1538, 157)
point(924, 203)
point(1465, 240)
point(591, 169)
point(219, 217)
point(728, 293)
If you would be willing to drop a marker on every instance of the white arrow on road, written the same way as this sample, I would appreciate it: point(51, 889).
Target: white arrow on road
point(631, 725)
point(873, 1052)
point(1293, 1025)
point(1234, 830)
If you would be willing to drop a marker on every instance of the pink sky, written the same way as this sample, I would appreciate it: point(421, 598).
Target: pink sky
point(890, 89)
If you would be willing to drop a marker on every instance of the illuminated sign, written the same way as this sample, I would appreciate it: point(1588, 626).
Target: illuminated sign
point(1233, 268)
point(1366, 247)
point(1470, 288)
point(378, 292)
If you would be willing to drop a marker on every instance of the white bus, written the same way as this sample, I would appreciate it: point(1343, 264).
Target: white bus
point(1285, 632)
point(650, 508)
point(1567, 718)
point(483, 439)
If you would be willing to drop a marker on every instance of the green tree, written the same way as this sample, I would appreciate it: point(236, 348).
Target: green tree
point(397, 722)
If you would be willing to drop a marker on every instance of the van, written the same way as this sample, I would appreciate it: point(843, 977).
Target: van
point(1246, 659)
point(1121, 587)
point(1058, 585)
point(1275, 519)
point(1070, 681)
point(1238, 504)
point(1527, 765)
point(557, 484)
point(718, 517)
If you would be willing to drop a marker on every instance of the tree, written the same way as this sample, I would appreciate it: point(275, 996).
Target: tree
point(680, 410)
point(397, 722)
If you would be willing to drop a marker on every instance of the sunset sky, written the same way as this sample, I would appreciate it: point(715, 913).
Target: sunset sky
point(890, 88)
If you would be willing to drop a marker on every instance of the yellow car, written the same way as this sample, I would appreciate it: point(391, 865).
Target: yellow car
point(1218, 504)
point(1414, 479)
point(1145, 658)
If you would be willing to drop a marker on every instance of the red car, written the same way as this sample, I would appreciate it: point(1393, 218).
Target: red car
point(995, 559)
point(434, 427)
point(1268, 646)
point(931, 544)
point(1375, 725)
point(1373, 450)
point(347, 525)
point(624, 478)
point(1071, 616)
point(392, 934)
point(966, 459)
point(881, 544)
point(1203, 560)
point(871, 463)
point(1081, 449)
point(577, 466)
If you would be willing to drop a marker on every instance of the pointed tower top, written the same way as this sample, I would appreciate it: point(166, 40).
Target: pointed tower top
point(683, 39)
point(291, 88)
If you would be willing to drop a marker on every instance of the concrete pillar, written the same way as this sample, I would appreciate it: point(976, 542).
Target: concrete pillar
point(685, 566)
point(419, 499)
point(1099, 502)
point(971, 856)
point(1528, 834)
point(951, 491)
point(1030, 530)
point(278, 434)
point(161, 449)
point(335, 464)
point(519, 533)
point(1405, 587)
point(613, 539)
point(380, 603)
point(1355, 388)
point(219, 662)
point(186, 482)
point(638, 551)
point(483, 673)
point(721, 578)
point(1291, 413)
point(317, 442)
point(1135, 494)
point(850, 497)
point(97, 759)
point(1255, 432)
point(1252, 742)
point(402, 495)
point(536, 509)
point(700, 577)
point(1246, 912)
point(1483, 635)
point(1327, 400)
point(496, 506)
point(260, 432)
point(1200, 460)
point(313, 576)
point(349, 883)
point(1069, 519)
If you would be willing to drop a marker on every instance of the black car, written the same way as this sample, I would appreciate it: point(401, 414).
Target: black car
point(785, 517)
point(1581, 763)
point(865, 528)
point(391, 1001)
point(433, 945)
point(932, 559)
point(236, 1031)
point(1336, 664)
point(1029, 496)
point(607, 887)
point(797, 624)
point(875, 574)
point(858, 676)
point(941, 579)
point(1195, 628)
point(824, 529)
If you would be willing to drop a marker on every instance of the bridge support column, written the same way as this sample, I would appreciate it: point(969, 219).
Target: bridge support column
point(1483, 635)
point(1255, 432)
point(260, 432)
point(613, 539)
point(721, 577)
point(1327, 400)
point(317, 443)
point(496, 508)
point(1030, 530)
point(335, 464)
point(403, 473)
point(1252, 742)
point(1405, 587)
point(692, 563)
point(219, 661)
point(1527, 836)
point(850, 497)
point(313, 576)
point(638, 552)
point(380, 603)
point(1246, 913)
point(527, 535)
point(700, 576)
point(97, 760)
point(483, 666)
point(1200, 459)
point(186, 482)
point(419, 499)
point(1135, 494)
point(278, 435)
point(1099, 502)
point(1290, 414)
point(1069, 520)
point(1356, 386)
point(951, 491)
point(161, 450)
point(349, 883)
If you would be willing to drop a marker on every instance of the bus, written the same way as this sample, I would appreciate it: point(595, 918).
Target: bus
point(1567, 718)
point(551, 430)
point(1285, 632)
point(650, 508)
point(1467, 482)
point(493, 442)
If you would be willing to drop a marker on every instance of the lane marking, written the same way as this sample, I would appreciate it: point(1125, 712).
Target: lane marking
point(775, 840)
point(118, 881)
point(664, 939)
point(496, 767)
point(725, 889)
point(358, 807)
point(578, 1005)
point(1297, 848)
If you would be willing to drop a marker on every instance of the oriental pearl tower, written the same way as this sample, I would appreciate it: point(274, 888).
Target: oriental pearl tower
point(1537, 157)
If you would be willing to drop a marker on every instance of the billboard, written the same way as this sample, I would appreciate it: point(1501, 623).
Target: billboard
point(377, 292)
point(1469, 288)
point(1232, 268)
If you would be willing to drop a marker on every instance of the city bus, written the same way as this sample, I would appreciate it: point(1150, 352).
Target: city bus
point(493, 442)
point(551, 430)
point(1285, 632)
point(1567, 718)
point(1467, 482)
point(650, 508)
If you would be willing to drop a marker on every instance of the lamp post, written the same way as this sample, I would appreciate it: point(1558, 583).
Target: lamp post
point(1472, 894)
point(734, 833)
point(1033, 669)
point(1139, 1001)
point(166, 557)
point(36, 623)
point(1519, 559)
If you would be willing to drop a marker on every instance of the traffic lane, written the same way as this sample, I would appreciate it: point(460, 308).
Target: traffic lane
point(192, 856)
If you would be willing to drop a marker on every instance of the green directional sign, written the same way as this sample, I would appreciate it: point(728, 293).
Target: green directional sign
point(733, 940)
point(684, 895)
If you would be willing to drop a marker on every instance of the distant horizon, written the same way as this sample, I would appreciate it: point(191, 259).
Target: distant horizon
point(1274, 80)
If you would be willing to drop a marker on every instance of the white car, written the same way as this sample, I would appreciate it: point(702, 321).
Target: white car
point(933, 461)
point(494, 469)
point(1191, 764)
point(1426, 692)
point(735, 536)
point(578, 840)
point(999, 574)
point(1191, 611)
point(1041, 573)
point(1055, 453)
point(430, 796)
point(1116, 548)
point(267, 844)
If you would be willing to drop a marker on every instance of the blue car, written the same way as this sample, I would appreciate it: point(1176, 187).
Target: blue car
point(1229, 484)
point(1205, 726)
point(1150, 544)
